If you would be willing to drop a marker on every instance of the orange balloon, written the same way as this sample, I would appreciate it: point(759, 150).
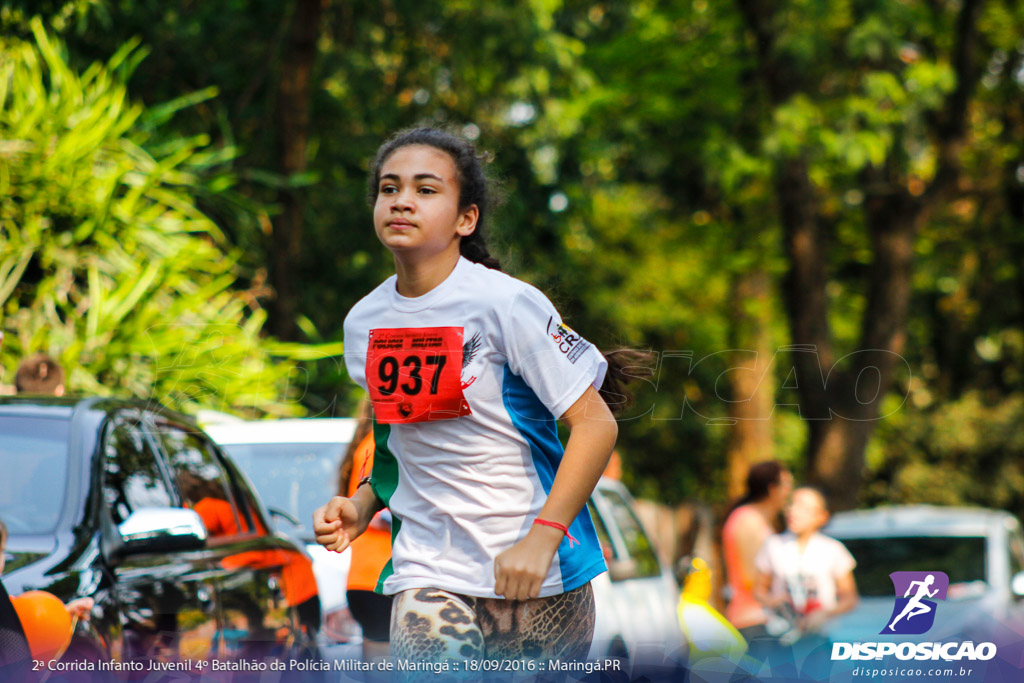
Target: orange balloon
point(46, 623)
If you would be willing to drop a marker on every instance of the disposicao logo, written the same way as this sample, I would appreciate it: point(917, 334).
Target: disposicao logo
point(914, 613)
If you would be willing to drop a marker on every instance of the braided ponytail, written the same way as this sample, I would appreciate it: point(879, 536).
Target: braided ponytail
point(474, 248)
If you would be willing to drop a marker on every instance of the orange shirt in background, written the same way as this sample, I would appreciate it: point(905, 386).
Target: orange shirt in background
point(743, 609)
point(218, 516)
point(614, 468)
point(372, 550)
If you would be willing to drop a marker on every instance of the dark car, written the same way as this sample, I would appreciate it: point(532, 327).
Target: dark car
point(132, 505)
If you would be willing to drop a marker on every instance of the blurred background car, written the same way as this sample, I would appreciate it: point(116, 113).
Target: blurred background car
point(636, 598)
point(981, 550)
point(134, 506)
point(293, 463)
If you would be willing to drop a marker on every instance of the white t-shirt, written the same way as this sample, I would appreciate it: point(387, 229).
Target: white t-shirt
point(467, 381)
point(807, 576)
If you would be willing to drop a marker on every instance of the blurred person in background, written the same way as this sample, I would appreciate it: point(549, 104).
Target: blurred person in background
point(804, 579)
point(749, 523)
point(15, 654)
point(803, 575)
point(39, 374)
point(370, 552)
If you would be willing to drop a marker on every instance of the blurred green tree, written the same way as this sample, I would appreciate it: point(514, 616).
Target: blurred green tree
point(105, 258)
point(714, 181)
point(866, 119)
point(833, 144)
point(378, 67)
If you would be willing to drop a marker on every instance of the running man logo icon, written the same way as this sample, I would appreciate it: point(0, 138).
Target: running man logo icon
point(914, 613)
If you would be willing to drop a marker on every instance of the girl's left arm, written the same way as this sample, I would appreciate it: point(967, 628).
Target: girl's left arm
point(846, 594)
point(520, 570)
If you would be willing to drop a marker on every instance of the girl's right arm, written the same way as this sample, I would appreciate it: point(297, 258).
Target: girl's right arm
point(342, 520)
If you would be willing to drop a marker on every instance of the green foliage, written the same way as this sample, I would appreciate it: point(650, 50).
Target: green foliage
point(106, 259)
point(637, 151)
point(964, 452)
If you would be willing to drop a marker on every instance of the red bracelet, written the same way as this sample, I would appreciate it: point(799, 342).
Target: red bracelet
point(561, 527)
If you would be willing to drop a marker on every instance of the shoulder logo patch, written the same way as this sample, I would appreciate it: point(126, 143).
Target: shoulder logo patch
point(569, 343)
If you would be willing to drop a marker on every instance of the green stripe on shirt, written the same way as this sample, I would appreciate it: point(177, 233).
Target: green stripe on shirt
point(384, 481)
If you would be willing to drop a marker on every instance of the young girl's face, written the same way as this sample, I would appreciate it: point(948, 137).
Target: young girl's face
point(417, 207)
point(807, 512)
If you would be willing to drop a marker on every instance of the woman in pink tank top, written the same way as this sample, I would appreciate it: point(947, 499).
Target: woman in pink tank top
point(752, 519)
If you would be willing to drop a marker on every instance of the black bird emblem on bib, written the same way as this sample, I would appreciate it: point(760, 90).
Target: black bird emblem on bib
point(469, 350)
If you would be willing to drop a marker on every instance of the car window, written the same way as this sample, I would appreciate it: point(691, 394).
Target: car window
point(34, 465)
point(132, 477)
point(294, 477)
point(637, 543)
point(247, 501)
point(201, 479)
point(962, 558)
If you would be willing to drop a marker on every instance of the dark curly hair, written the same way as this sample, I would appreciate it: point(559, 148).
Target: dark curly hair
point(761, 477)
point(474, 187)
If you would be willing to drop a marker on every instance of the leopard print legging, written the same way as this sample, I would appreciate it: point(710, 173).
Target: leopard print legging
point(429, 624)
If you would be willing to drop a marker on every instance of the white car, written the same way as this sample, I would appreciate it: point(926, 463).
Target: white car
point(294, 466)
point(637, 597)
point(981, 550)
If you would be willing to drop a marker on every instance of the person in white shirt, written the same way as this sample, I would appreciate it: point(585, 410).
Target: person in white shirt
point(468, 369)
point(804, 572)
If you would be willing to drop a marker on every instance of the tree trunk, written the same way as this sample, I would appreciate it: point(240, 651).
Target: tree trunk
point(841, 401)
point(293, 114)
point(750, 376)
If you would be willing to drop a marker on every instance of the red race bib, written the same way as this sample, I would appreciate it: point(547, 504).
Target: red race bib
point(414, 374)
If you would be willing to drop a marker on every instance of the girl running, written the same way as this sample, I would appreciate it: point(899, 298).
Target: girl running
point(467, 369)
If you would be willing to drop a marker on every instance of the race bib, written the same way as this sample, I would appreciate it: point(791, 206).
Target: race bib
point(414, 374)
